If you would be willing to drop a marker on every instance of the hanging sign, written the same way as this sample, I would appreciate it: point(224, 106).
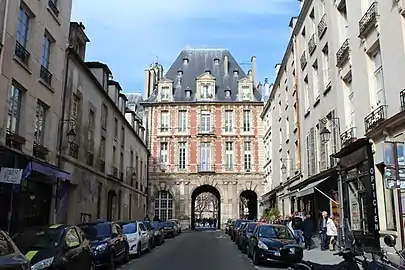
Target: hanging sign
point(11, 175)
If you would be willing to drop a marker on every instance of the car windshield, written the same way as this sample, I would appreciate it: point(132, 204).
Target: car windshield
point(239, 222)
point(96, 231)
point(155, 225)
point(129, 228)
point(5, 246)
point(279, 232)
point(251, 227)
point(38, 238)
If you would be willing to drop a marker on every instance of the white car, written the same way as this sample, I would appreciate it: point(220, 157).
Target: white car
point(137, 237)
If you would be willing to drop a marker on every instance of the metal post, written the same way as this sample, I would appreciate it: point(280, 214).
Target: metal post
point(340, 193)
point(10, 213)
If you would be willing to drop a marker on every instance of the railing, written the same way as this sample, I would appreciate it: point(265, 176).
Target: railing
point(90, 159)
point(343, 52)
point(375, 118)
point(312, 44)
point(39, 151)
point(229, 167)
point(45, 75)
point(121, 176)
point(14, 140)
point(402, 98)
point(205, 168)
point(347, 137)
point(203, 130)
point(114, 171)
point(322, 26)
point(164, 129)
point(21, 53)
point(74, 150)
point(368, 19)
point(53, 7)
point(102, 166)
point(303, 60)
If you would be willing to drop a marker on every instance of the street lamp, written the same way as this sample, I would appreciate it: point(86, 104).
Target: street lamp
point(325, 135)
point(283, 169)
point(71, 136)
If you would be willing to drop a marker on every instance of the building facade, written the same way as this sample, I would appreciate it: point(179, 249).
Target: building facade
point(32, 49)
point(351, 101)
point(108, 157)
point(204, 133)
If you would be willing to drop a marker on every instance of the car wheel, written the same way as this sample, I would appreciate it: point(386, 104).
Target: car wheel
point(248, 251)
point(149, 247)
point(255, 258)
point(111, 263)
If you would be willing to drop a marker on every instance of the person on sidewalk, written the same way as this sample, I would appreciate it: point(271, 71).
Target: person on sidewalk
point(308, 228)
point(297, 226)
point(331, 233)
point(322, 230)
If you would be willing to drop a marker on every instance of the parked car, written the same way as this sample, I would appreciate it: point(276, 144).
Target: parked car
point(11, 257)
point(238, 223)
point(178, 225)
point(245, 234)
point(238, 231)
point(151, 233)
point(137, 237)
point(55, 247)
point(158, 232)
point(228, 226)
point(169, 229)
point(275, 243)
point(108, 242)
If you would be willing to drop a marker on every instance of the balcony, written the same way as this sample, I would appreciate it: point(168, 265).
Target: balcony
point(102, 166)
point(21, 53)
point(312, 44)
point(229, 167)
point(375, 118)
point(39, 151)
point(164, 129)
point(90, 159)
point(402, 98)
point(114, 171)
point(205, 168)
point(322, 26)
point(45, 75)
point(53, 7)
point(347, 137)
point(121, 176)
point(207, 131)
point(343, 53)
point(74, 150)
point(303, 60)
point(368, 20)
point(14, 140)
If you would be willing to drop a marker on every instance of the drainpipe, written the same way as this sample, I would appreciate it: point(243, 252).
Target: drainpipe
point(3, 36)
point(297, 104)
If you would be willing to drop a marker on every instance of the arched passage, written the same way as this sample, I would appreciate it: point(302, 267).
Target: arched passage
point(206, 189)
point(111, 205)
point(248, 205)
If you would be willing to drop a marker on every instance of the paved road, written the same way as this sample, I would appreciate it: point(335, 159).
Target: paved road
point(208, 250)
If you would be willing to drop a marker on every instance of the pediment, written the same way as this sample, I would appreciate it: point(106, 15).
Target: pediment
point(205, 76)
point(245, 80)
point(165, 80)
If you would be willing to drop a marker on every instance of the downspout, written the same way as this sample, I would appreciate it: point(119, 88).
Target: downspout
point(297, 104)
point(3, 36)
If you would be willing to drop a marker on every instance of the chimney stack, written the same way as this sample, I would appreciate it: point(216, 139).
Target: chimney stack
point(146, 90)
point(253, 61)
point(226, 65)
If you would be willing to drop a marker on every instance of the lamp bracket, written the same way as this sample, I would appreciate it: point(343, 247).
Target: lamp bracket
point(71, 122)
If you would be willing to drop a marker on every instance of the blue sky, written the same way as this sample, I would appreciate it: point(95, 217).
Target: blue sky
point(128, 35)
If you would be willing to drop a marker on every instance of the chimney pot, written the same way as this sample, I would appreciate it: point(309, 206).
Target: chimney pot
point(226, 65)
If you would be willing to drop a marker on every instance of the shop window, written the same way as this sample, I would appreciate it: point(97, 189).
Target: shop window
point(390, 217)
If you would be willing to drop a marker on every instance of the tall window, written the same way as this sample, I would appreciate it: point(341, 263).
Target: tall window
point(40, 119)
point(14, 108)
point(182, 121)
point(205, 156)
point(122, 135)
point(104, 116)
point(306, 96)
point(245, 92)
point(115, 128)
point(379, 79)
point(131, 164)
point(165, 93)
point(164, 154)
point(22, 28)
point(99, 192)
point(247, 121)
point(229, 156)
point(228, 121)
point(247, 156)
point(287, 128)
point(164, 205)
point(182, 156)
point(205, 123)
point(164, 121)
point(316, 87)
point(102, 148)
point(206, 91)
point(114, 157)
point(121, 163)
point(46, 51)
point(90, 131)
point(326, 70)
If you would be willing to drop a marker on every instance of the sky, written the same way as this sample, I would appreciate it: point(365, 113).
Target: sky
point(129, 35)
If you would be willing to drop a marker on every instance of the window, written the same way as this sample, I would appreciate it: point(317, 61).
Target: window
point(122, 136)
point(46, 51)
point(246, 121)
point(228, 121)
point(114, 157)
point(206, 91)
point(164, 121)
point(164, 154)
point(287, 128)
point(104, 116)
point(23, 25)
point(115, 128)
point(326, 70)
point(164, 205)
point(182, 156)
point(205, 121)
point(99, 192)
point(205, 156)
point(121, 162)
point(137, 171)
point(245, 92)
point(165, 93)
point(141, 170)
point(306, 96)
point(40, 119)
point(72, 238)
point(90, 131)
point(14, 108)
point(247, 156)
point(379, 79)
point(182, 121)
point(228, 156)
point(315, 74)
point(74, 109)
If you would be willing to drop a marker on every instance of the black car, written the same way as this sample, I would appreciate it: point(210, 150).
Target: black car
point(169, 229)
point(238, 223)
point(271, 242)
point(228, 226)
point(244, 235)
point(108, 242)
point(159, 234)
point(55, 247)
point(10, 256)
point(238, 232)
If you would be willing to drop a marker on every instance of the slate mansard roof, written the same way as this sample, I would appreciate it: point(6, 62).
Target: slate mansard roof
point(198, 62)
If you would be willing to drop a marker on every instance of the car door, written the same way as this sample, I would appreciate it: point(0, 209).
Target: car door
point(86, 252)
point(144, 235)
point(73, 251)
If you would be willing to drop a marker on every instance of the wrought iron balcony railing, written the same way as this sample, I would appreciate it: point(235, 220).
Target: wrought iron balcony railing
point(53, 7)
point(312, 44)
point(368, 19)
point(205, 167)
point(21, 53)
point(164, 129)
point(375, 118)
point(402, 98)
point(204, 130)
point(45, 75)
point(303, 60)
point(343, 53)
point(40, 151)
point(114, 171)
point(347, 137)
point(14, 140)
point(74, 150)
point(322, 26)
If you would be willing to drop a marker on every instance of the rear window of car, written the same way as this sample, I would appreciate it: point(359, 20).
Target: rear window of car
point(251, 227)
point(5, 246)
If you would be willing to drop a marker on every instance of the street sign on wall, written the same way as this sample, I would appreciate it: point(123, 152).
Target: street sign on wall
point(11, 175)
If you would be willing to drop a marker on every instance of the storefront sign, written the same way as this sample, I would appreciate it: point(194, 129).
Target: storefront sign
point(374, 198)
point(10, 176)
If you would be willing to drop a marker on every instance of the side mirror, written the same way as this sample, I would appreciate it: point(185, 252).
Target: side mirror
point(390, 240)
point(114, 235)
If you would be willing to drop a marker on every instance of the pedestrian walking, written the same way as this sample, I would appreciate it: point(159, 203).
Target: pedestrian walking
point(308, 229)
point(331, 233)
point(297, 226)
point(322, 230)
point(146, 218)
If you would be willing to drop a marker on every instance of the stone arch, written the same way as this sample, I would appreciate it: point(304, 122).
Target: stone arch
point(248, 198)
point(202, 188)
point(214, 185)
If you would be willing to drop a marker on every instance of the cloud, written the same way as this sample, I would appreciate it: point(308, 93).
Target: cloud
point(129, 34)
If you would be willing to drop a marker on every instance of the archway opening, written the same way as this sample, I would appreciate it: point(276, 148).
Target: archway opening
point(248, 205)
point(111, 205)
point(163, 206)
point(206, 207)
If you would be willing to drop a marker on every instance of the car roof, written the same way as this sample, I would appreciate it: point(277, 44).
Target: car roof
point(96, 222)
point(273, 225)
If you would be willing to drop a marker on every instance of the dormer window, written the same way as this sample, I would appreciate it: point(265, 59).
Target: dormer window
point(245, 92)
point(188, 93)
point(228, 93)
point(236, 72)
point(164, 95)
point(185, 60)
point(179, 72)
point(216, 61)
point(206, 91)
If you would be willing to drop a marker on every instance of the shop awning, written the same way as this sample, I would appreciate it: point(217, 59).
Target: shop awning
point(289, 194)
point(310, 188)
point(46, 169)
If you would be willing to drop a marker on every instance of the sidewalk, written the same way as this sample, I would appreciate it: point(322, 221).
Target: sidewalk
point(323, 257)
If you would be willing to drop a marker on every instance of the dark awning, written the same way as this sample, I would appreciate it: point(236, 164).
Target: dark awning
point(46, 169)
point(310, 188)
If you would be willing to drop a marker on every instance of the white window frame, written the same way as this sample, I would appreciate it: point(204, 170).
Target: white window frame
point(40, 121)
point(247, 154)
point(164, 153)
point(228, 117)
point(164, 205)
point(165, 93)
point(326, 68)
point(247, 121)
point(182, 121)
point(246, 92)
point(182, 156)
point(229, 156)
point(317, 90)
point(164, 121)
point(23, 27)
point(46, 51)
point(14, 109)
point(205, 122)
point(287, 127)
point(205, 156)
point(206, 91)
point(306, 96)
point(378, 79)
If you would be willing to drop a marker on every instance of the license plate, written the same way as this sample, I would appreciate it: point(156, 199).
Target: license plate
point(276, 253)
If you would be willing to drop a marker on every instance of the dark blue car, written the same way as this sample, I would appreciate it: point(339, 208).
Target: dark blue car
point(245, 234)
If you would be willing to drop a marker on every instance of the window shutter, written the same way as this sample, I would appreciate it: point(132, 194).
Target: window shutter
point(312, 150)
point(308, 155)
